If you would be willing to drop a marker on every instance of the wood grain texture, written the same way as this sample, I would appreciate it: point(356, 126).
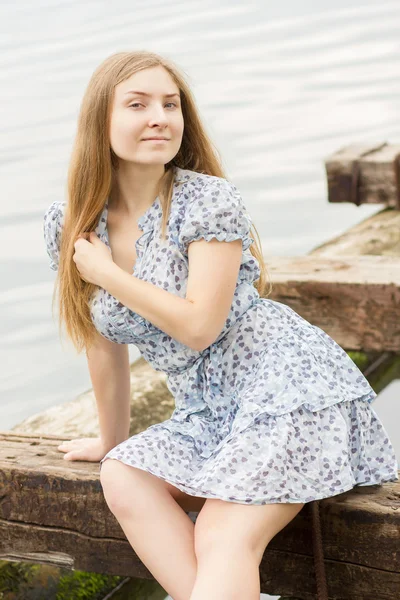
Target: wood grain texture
point(355, 299)
point(378, 234)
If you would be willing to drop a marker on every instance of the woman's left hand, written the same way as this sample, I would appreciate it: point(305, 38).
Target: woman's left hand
point(92, 258)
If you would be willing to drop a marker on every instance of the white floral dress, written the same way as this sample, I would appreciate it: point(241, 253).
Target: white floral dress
point(274, 410)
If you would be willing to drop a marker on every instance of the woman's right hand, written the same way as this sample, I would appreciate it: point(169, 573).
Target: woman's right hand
point(89, 449)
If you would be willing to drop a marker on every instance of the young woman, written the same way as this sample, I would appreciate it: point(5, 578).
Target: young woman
point(153, 248)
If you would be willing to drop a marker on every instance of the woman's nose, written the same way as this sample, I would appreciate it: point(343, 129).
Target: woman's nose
point(158, 116)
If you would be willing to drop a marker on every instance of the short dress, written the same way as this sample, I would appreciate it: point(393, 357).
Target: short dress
point(274, 410)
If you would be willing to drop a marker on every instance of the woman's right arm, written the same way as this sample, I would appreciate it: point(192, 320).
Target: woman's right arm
point(109, 370)
point(110, 374)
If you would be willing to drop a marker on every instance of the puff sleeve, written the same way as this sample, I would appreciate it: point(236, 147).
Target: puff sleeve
point(215, 210)
point(52, 227)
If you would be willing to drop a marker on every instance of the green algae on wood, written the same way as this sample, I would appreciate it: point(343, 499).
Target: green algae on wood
point(79, 585)
point(359, 358)
point(31, 581)
point(385, 373)
point(386, 370)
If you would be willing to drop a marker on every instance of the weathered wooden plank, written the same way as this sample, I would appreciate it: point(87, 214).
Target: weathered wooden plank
point(53, 511)
point(345, 581)
point(354, 299)
point(365, 174)
point(378, 234)
point(151, 402)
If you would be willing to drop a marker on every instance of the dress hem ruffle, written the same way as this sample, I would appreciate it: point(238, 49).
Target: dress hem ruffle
point(301, 456)
point(274, 500)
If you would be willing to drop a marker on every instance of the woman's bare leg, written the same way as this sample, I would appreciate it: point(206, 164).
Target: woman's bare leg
point(152, 515)
point(230, 541)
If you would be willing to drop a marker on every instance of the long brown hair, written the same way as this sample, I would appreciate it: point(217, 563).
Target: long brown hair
point(91, 174)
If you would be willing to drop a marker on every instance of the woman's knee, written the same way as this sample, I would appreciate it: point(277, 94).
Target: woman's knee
point(122, 486)
point(211, 545)
point(127, 489)
point(214, 531)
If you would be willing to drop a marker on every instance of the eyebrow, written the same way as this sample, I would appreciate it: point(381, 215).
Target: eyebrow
point(149, 95)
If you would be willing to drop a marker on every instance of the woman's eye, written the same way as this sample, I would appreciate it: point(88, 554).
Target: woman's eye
point(139, 104)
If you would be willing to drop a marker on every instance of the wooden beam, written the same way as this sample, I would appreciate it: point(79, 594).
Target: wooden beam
point(354, 299)
point(365, 174)
point(151, 402)
point(54, 512)
point(378, 235)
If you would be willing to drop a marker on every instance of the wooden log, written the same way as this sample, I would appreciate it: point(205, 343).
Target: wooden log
point(379, 234)
point(53, 512)
point(365, 174)
point(151, 402)
point(354, 299)
point(376, 235)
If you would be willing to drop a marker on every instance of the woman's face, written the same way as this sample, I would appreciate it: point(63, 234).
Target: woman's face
point(154, 113)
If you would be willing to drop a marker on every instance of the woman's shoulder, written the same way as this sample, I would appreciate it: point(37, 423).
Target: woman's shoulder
point(198, 183)
point(55, 212)
point(211, 207)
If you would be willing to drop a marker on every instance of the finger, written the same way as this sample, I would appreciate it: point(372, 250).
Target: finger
point(72, 455)
point(64, 446)
point(82, 236)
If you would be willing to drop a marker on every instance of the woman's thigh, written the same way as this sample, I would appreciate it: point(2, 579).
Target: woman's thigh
point(117, 476)
point(222, 524)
